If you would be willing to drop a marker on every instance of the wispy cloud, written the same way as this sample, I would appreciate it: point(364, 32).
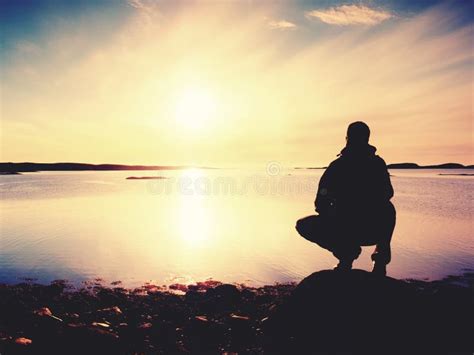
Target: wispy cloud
point(282, 25)
point(138, 4)
point(346, 15)
point(148, 12)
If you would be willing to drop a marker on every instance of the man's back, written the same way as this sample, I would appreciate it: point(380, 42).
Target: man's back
point(355, 184)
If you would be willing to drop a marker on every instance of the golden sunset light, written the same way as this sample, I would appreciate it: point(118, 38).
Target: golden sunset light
point(236, 176)
point(235, 70)
point(195, 108)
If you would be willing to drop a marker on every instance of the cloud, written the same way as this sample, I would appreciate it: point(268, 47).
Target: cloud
point(346, 15)
point(281, 25)
point(148, 12)
point(138, 4)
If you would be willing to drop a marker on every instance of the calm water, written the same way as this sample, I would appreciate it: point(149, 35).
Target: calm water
point(231, 225)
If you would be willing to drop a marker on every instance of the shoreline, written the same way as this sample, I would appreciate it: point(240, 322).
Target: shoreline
point(208, 316)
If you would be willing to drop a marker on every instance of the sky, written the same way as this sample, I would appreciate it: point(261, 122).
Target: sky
point(227, 83)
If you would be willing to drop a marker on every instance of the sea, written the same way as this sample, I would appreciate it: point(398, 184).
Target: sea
point(231, 225)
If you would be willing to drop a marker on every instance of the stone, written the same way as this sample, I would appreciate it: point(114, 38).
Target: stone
point(23, 341)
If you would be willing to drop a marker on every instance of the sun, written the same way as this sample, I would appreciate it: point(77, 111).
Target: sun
point(195, 108)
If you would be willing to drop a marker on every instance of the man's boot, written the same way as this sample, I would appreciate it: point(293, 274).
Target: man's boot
point(381, 257)
point(379, 269)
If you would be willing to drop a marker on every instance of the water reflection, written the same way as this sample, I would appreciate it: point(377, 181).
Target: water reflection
point(81, 225)
point(194, 218)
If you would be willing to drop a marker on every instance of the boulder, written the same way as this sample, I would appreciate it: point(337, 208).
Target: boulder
point(337, 311)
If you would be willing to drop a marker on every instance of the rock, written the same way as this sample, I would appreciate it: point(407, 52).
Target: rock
point(208, 284)
point(145, 325)
point(23, 341)
point(241, 331)
point(179, 287)
point(237, 317)
point(111, 310)
point(226, 291)
point(76, 325)
point(222, 298)
point(340, 311)
point(100, 324)
point(46, 312)
point(202, 335)
point(89, 340)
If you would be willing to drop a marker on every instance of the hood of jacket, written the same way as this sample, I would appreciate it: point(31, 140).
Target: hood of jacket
point(358, 151)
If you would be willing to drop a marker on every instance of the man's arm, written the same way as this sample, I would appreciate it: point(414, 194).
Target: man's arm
point(385, 183)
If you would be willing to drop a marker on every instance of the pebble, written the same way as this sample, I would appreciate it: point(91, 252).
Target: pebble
point(100, 324)
point(23, 341)
point(145, 325)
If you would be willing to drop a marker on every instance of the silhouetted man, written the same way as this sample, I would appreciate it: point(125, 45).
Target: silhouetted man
point(353, 202)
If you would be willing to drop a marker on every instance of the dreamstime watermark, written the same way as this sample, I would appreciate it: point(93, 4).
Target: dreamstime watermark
point(274, 180)
point(273, 168)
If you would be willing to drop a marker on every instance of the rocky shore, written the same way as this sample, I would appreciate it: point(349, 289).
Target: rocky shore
point(327, 311)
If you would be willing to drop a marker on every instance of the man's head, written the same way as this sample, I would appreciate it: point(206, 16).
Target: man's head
point(358, 133)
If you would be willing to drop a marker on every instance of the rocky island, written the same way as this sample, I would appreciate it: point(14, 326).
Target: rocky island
point(34, 167)
point(146, 177)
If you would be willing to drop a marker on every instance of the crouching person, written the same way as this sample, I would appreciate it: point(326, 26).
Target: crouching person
point(353, 202)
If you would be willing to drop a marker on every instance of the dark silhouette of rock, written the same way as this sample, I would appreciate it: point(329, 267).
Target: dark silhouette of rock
point(356, 310)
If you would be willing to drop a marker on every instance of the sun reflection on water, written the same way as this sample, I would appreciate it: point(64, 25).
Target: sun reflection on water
point(195, 216)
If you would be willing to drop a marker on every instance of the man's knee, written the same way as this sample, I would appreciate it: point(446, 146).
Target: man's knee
point(305, 225)
point(302, 228)
point(299, 225)
point(309, 227)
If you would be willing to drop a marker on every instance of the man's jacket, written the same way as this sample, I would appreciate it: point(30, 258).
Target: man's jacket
point(354, 185)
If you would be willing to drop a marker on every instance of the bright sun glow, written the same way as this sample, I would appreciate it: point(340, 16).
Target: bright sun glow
point(195, 108)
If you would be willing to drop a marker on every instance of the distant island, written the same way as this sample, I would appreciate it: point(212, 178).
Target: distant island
point(146, 177)
point(9, 173)
point(456, 174)
point(414, 166)
point(439, 166)
point(12, 168)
